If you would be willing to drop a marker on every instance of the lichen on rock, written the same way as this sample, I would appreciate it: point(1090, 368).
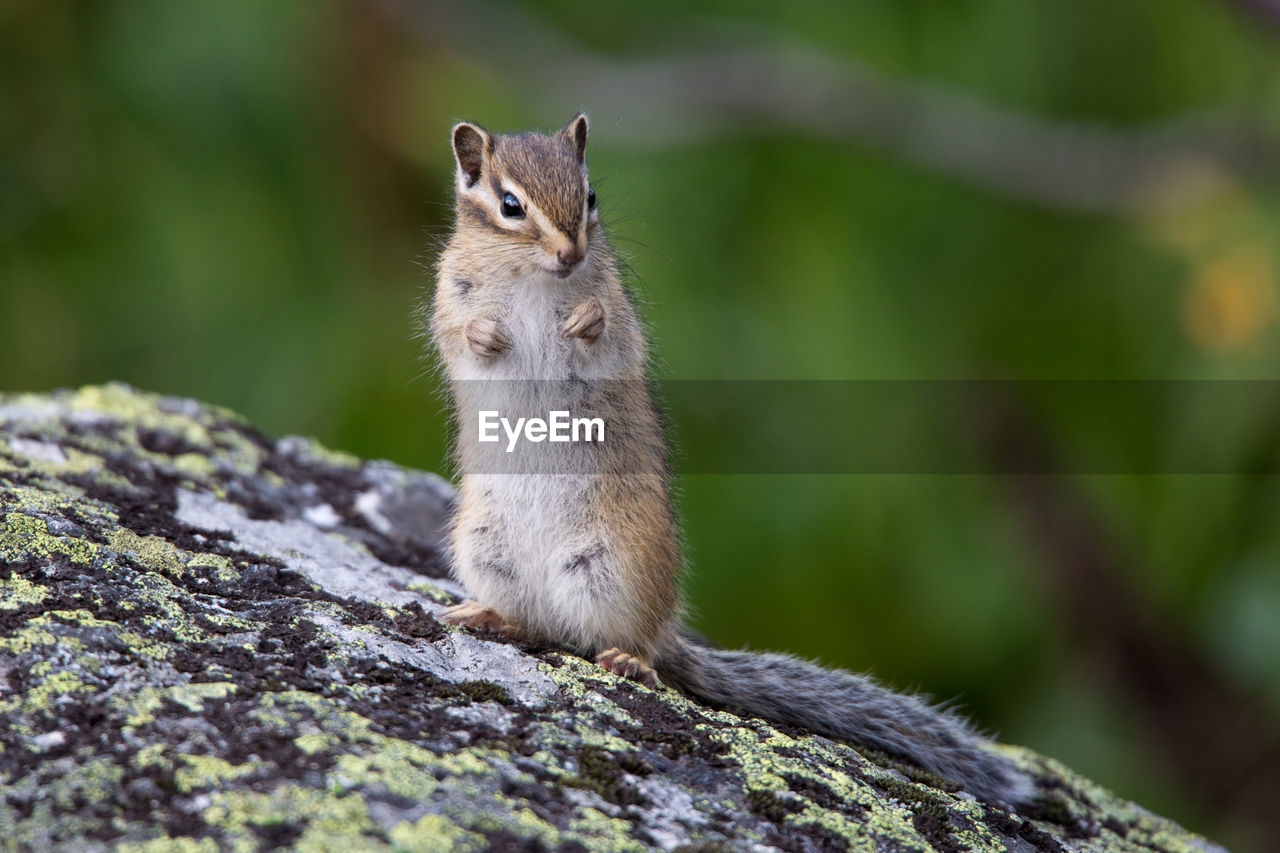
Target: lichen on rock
point(210, 640)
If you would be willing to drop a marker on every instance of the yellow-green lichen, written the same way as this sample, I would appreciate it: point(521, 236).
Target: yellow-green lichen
point(230, 622)
point(223, 570)
point(77, 462)
point(157, 591)
point(27, 638)
point(25, 536)
point(576, 677)
point(764, 771)
point(15, 591)
point(84, 619)
point(152, 755)
point(92, 780)
point(329, 456)
point(197, 466)
point(434, 833)
point(203, 771)
point(600, 833)
point(523, 823)
point(431, 591)
point(204, 431)
point(169, 845)
point(42, 696)
point(314, 742)
point(332, 822)
point(152, 551)
point(397, 774)
point(142, 706)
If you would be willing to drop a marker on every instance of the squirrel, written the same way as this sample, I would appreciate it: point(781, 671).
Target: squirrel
point(585, 551)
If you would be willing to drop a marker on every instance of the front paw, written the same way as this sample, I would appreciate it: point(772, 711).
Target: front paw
point(586, 322)
point(486, 338)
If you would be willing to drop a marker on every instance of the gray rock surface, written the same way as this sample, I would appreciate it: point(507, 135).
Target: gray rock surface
point(211, 640)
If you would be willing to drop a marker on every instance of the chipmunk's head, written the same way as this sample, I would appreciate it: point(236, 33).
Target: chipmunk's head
point(531, 189)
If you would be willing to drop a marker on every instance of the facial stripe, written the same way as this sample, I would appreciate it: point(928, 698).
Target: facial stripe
point(476, 213)
point(540, 221)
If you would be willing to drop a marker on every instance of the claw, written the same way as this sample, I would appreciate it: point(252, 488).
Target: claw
point(628, 666)
point(486, 338)
point(586, 322)
point(473, 614)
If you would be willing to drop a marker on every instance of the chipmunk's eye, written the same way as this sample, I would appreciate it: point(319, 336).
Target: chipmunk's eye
point(591, 198)
point(511, 207)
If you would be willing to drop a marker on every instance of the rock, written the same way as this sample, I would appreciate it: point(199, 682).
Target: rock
point(212, 640)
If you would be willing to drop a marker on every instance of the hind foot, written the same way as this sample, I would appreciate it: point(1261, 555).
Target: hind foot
point(473, 614)
point(628, 666)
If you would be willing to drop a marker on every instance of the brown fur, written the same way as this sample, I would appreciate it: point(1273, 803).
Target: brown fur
point(621, 511)
point(583, 551)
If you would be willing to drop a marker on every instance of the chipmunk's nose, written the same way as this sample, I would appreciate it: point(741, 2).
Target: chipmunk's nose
point(569, 255)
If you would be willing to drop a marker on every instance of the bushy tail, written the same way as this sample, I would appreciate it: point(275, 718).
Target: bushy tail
point(838, 704)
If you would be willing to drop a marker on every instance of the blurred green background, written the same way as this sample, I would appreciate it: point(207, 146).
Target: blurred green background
point(235, 201)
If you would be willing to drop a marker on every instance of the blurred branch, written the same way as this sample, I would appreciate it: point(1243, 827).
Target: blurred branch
point(1220, 741)
point(753, 82)
point(1266, 11)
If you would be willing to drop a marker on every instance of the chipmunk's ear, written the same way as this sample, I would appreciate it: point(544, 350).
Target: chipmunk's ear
point(472, 146)
point(576, 132)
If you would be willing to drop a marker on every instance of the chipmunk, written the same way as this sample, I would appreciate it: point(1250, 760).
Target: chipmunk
point(583, 549)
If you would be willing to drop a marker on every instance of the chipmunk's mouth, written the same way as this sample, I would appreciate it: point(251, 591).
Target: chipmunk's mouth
point(563, 270)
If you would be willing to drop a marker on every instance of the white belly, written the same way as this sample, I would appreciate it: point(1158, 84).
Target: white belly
point(538, 496)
